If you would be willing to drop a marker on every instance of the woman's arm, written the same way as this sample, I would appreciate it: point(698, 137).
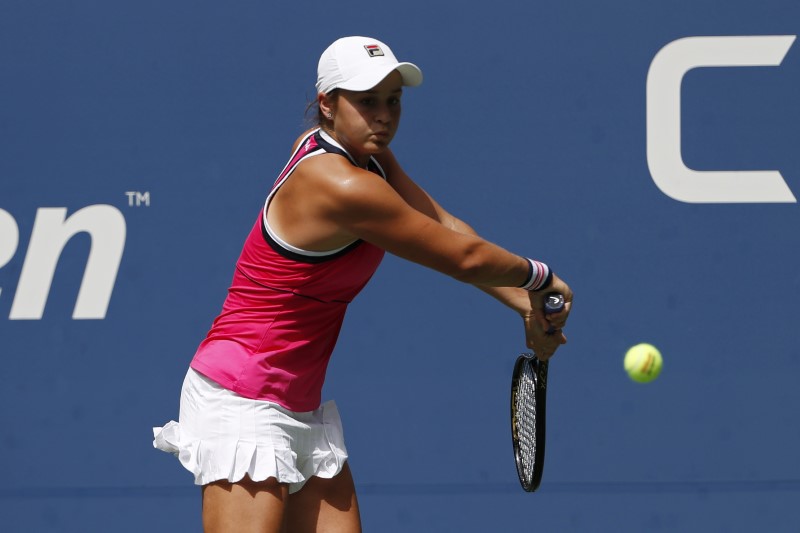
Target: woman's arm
point(527, 304)
point(338, 195)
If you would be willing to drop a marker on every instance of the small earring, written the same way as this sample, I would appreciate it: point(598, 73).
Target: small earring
point(330, 115)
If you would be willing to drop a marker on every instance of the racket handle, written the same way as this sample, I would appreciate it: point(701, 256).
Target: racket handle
point(553, 303)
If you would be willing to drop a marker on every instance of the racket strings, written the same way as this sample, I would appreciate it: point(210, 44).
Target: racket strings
point(526, 419)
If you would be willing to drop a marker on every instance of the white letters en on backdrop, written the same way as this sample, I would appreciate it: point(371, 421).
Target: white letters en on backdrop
point(52, 229)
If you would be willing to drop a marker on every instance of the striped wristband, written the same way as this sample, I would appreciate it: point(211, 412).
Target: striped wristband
point(539, 276)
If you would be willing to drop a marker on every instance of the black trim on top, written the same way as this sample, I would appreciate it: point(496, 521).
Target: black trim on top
point(332, 148)
point(301, 258)
point(372, 166)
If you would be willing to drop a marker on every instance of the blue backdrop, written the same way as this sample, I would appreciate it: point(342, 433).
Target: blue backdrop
point(157, 127)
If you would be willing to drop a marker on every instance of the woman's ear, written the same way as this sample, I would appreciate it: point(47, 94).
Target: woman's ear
point(326, 105)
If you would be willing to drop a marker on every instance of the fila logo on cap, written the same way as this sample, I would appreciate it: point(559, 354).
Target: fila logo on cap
point(373, 50)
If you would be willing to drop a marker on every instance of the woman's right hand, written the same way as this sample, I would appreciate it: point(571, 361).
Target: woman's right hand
point(538, 323)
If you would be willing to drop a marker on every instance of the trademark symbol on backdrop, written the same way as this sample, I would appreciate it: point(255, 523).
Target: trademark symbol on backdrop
point(138, 198)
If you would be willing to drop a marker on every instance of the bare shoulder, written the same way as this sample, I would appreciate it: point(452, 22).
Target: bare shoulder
point(340, 189)
point(335, 174)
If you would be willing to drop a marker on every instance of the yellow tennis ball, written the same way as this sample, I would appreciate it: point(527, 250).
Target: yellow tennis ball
point(643, 362)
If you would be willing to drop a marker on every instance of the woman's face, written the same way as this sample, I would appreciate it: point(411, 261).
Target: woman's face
point(365, 122)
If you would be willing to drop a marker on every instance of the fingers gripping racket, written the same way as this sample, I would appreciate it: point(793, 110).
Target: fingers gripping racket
point(528, 402)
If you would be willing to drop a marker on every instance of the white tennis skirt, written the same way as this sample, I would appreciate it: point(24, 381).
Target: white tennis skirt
point(222, 435)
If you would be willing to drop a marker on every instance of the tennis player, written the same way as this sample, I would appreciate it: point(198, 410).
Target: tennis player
point(269, 455)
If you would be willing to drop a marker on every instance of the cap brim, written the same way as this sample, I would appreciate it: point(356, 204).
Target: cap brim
point(412, 76)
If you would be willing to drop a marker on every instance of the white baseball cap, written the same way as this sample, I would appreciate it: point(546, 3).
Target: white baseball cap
point(359, 64)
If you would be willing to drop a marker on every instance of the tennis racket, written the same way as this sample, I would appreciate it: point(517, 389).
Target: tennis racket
point(528, 402)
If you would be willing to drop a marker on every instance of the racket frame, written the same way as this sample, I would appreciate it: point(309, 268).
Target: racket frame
point(533, 479)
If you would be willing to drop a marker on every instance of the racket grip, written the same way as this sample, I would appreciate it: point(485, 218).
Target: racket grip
point(553, 303)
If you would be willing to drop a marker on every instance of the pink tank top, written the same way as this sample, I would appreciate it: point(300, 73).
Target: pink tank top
point(285, 307)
